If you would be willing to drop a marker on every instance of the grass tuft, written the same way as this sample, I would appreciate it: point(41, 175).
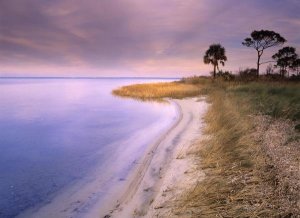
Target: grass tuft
point(158, 91)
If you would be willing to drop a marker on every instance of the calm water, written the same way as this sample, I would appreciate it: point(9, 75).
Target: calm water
point(54, 132)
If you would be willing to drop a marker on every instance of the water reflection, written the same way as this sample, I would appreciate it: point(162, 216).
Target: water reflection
point(54, 132)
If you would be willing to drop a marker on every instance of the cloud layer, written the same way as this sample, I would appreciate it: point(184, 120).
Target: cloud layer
point(134, 37)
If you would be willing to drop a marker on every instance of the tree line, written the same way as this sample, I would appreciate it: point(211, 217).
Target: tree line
point(286, 59)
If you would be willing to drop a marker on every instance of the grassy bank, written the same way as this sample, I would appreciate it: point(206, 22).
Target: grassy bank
point(279, 100)
point(251, 152)
point(158, 91)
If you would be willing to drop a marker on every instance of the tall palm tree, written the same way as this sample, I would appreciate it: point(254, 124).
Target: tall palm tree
point(215, 55)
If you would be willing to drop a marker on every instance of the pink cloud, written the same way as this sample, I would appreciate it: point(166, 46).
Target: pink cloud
point(135, 37)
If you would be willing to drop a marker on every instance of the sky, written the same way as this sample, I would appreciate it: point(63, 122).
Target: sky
point(156, 38)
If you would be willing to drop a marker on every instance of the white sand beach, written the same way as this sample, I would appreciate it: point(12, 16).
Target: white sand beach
point(167, 170)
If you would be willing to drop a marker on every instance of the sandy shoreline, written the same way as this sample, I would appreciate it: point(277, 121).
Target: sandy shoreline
point(166, 171)
point(155, 181)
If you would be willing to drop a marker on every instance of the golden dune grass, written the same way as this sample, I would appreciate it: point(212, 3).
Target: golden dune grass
point(231, 160)
point(242, 180)
point(158, 91)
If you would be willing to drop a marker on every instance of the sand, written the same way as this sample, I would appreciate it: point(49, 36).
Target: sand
point(167, 171)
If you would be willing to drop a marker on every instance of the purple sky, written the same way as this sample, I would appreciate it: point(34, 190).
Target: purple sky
point(135, 37)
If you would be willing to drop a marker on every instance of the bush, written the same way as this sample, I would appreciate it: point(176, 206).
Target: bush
point(226, 75)
point(295, 77)
point(272, 77)
point(195, 80)
point(249, 74)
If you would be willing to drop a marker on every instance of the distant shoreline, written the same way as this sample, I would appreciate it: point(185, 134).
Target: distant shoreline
point(79, 77)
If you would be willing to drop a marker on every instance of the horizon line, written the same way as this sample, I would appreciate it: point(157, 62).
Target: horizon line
point(85, 77)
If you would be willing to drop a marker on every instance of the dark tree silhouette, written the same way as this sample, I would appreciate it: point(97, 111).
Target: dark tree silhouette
point(261, 40)
point(285, 59)
point(215, 55)
point(296, 66)
point(269, 69)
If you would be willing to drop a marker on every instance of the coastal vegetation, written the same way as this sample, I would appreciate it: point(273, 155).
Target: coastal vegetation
point(252, 137)
point(261, 40)
point(215, 55)
point(286, 58)
point(250, 149)
point(158, 91)
point(250, 154)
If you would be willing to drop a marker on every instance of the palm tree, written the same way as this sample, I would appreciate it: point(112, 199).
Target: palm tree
point(215, 55)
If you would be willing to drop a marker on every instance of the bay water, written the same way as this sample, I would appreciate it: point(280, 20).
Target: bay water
point(55, 132)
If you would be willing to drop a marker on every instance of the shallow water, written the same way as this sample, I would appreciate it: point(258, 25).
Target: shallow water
point(55, 132)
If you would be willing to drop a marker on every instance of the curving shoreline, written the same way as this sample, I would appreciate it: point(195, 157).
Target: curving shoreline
point(84, 196)
point(164, 166)
point(125, 195)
